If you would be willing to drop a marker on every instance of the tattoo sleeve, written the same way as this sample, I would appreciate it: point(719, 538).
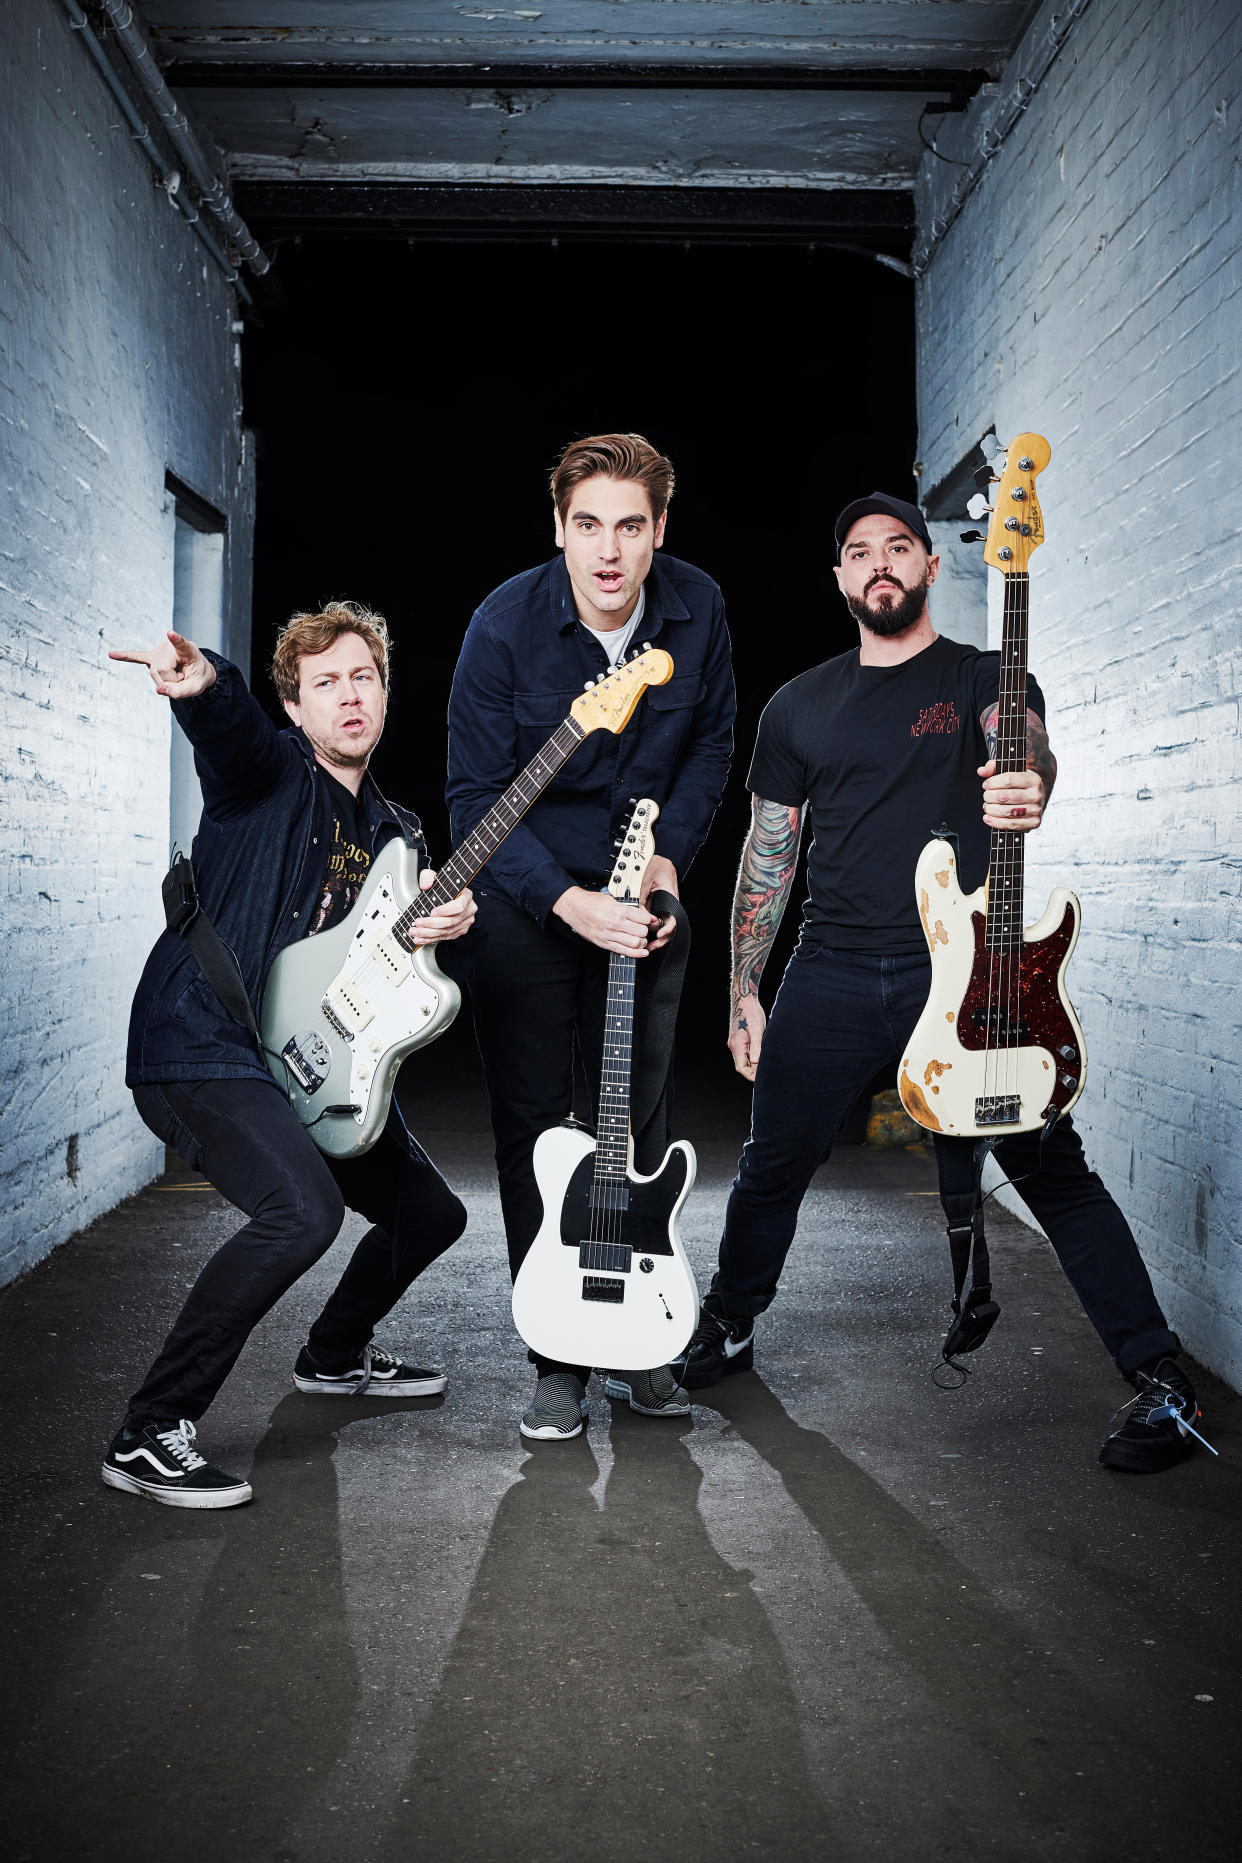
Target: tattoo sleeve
point(769, 862)
point(1039, 755)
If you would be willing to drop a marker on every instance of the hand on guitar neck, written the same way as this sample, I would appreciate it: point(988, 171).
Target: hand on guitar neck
point(616, 926)
point(1017, 799)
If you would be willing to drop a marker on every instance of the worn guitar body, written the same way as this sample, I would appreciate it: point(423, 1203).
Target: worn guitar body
point(628, 1303)
point(342, 1010)
point(971, 1070)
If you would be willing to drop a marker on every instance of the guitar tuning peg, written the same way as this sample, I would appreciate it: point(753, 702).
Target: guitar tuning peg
point(646, 646)
point(589, 684)
point(972, 536)
point(978, 506)
point(990, 446)
point(984, 476)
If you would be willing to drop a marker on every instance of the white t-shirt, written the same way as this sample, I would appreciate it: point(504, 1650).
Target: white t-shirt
point(614, 641)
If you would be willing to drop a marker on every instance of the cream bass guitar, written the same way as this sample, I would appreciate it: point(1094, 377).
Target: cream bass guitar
point(998, 1048)
point(342, 1010)
point(606, 1281)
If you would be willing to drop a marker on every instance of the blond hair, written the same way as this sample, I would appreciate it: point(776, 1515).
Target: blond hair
point(315, 633)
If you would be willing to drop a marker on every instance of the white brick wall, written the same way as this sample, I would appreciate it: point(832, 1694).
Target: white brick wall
point(1090, 289)
point(118, 363)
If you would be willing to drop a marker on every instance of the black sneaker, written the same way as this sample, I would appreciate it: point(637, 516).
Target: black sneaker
point(1161, 1428)
point(165, 1466)
point(375, 1372)
point(719, 1346)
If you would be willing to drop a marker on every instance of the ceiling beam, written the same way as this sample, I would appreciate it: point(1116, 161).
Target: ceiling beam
point(957, 85)
point(869, 219)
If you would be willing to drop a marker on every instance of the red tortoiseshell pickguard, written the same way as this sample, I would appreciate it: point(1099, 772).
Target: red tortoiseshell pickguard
point(1032, 990)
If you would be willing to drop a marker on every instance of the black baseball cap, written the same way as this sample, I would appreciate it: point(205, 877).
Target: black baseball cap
point(907, 514)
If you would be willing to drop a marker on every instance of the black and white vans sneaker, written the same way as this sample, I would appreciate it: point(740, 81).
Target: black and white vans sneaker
point(719, 1346)
point(375, 1373)
point(651, 1393)
point(166, 1467)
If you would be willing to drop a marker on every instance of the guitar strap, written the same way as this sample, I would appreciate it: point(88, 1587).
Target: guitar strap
point(959, 1163)
point(649, 1099)
point(184, 913)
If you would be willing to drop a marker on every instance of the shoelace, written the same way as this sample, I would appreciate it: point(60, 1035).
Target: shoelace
point(1158, 1402)
point(179, 1442)
point(709, 1331)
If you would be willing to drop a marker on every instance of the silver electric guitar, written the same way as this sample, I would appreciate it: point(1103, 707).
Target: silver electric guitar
point(342, 1010)
point(606, 1280)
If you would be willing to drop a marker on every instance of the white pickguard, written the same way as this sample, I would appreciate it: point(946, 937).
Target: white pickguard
point(660, 1308)
point(939, 1080)
point(342, 1010)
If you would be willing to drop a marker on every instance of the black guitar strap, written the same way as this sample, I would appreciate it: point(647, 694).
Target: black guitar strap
point(959, 1163)
point(652, 1088)
point(184, 913)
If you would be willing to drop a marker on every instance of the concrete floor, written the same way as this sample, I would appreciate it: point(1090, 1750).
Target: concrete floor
point(840, 1615)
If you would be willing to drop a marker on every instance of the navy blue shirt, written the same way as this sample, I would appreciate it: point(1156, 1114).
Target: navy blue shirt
point(259, 858)
point(525, 659)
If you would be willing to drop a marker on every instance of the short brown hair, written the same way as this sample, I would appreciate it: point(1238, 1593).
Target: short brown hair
point(315, 633)
point(612, 456)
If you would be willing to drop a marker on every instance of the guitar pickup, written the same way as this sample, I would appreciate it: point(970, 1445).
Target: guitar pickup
point(615, 1255)
point(350, 1004)
point(606, 1196)
point(601, 1287)
point(392, 960)
point(998, 1109)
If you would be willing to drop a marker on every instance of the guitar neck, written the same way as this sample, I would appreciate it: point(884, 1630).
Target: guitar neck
point(478, 847)
point(1008, 847)
point(612, 1140)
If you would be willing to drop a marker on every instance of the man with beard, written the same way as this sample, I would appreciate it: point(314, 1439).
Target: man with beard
point(291, 823)
point(881, 745)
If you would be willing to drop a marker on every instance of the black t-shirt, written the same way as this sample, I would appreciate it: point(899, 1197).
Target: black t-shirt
point(348, 862)
point(884, 755)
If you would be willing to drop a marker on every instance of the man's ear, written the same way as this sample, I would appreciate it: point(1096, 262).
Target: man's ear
point(658, 534)
point(836, 570)
point(933, 569)
point(292, 710)
point(560, 532)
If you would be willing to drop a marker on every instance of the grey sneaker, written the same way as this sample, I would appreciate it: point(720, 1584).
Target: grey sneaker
point(559, 1410)
point(651, 1393)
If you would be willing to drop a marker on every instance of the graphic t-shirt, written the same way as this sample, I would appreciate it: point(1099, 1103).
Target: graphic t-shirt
point(348, 862)
point(884, 755)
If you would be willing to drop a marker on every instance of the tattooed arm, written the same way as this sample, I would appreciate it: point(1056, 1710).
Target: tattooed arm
point(769, 861)
point(1019, 799)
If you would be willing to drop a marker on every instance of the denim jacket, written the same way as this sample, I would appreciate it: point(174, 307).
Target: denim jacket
point(259, 861)
point(525, 658)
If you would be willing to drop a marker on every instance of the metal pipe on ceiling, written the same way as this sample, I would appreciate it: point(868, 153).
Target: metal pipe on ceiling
point(177, 128)
point(170, 181)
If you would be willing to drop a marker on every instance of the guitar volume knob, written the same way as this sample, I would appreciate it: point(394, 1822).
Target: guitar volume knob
point(1067, 1053)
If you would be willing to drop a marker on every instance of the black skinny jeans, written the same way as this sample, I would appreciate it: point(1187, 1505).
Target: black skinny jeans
point(536, 993)
point(246, 1140)
point(839, 1017)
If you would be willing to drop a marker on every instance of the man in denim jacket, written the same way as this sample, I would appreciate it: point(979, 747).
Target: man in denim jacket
point(290, 826)
point(539, 978)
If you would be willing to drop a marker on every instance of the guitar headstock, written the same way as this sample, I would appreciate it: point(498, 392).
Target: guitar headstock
point(609, 702)
point(1015, 523)
point(637, 849)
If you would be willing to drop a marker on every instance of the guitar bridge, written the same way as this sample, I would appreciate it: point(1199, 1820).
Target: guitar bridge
point(998, 1109)
point(601, 1287)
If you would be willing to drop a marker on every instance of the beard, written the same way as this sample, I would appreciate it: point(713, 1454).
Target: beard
point(899, 612)
point(343, 756)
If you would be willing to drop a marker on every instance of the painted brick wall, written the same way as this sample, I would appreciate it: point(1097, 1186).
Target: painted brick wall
point(119, 362)
point(1090, 289)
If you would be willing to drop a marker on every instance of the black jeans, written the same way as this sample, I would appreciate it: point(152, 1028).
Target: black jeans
point(839, 1016)
point(246, 1140)
point(537, 993)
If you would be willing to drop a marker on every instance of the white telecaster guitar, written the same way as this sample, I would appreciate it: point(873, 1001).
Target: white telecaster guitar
point(342, 1010)
point(606, 1281)
point(998, 1048)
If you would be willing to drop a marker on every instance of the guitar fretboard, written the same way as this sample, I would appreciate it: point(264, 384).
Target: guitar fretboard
point(612, 1141)
point(1007, 851)
point(479, 846)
